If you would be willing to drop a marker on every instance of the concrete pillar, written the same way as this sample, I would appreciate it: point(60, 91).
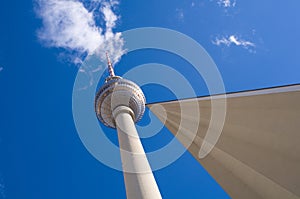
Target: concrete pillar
point(139, 179)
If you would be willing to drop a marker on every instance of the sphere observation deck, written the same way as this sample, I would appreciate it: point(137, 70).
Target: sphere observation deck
point(115, 92)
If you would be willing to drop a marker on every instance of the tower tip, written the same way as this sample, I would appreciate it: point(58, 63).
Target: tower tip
point(110, 66)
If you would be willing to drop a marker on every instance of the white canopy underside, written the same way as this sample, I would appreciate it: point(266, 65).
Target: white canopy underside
point(258, 152)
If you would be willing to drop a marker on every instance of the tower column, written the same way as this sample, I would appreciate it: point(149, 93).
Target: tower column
point(139, 182)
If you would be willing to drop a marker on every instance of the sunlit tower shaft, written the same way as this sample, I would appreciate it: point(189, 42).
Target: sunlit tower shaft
point(119, 104)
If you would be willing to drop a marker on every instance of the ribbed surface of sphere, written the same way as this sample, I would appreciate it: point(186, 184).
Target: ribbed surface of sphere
point(119, 92)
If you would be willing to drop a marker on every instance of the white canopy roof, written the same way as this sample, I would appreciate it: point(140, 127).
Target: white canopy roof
point(257, 154)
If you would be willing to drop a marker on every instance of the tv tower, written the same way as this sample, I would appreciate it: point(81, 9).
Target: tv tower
point(119, 104)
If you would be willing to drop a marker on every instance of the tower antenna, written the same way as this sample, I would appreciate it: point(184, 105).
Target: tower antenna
point(110, 66)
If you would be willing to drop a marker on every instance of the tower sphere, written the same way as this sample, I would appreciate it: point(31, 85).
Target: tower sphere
point(115, 92)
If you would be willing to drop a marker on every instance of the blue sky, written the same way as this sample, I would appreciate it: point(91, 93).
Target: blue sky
point(253, 43)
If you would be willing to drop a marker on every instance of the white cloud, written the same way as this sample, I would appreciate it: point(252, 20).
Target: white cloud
point(232, 39)
point(113, 42)
point(227, 3)
point(70, 25)
point(109, 17)
point(238, 42)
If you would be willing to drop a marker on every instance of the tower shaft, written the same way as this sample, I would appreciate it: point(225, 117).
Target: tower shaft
point(119, 104)
point(140, 184)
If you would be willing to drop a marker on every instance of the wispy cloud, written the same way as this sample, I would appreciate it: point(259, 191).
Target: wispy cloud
point(227, 3)
point(69, 24)
point(180, 14)
point(1, 68)
point(2, 188)
point(233, 40)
